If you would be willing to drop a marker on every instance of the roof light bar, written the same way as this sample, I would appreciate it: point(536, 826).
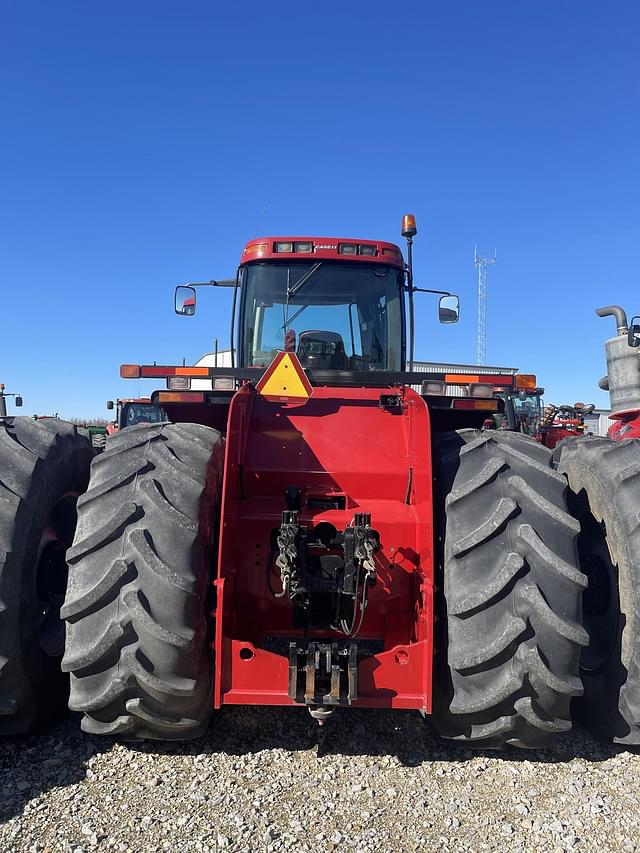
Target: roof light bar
point(347, 248)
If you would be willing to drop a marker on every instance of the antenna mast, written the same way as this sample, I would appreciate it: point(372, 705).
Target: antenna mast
point(481, 265)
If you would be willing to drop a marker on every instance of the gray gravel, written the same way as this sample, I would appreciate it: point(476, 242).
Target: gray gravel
point(257, 783)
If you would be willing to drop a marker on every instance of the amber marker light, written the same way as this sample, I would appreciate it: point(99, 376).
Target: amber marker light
point(526, 380)
point(180, 397)
point(130, 371)
point(257, 248)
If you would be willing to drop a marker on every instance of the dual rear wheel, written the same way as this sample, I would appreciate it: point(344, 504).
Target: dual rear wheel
point(539, 583)
point(539, 589)
point(135, 595)
point(44, 467)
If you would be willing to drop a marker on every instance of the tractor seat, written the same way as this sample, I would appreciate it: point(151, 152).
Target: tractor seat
point(322, 349)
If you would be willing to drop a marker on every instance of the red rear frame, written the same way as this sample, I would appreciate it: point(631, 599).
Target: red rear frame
point(341, 442)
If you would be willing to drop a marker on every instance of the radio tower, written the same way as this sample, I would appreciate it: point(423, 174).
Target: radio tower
point(481, 266)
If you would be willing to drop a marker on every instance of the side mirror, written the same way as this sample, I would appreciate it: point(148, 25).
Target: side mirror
point(449, 309)
point(109, 404)
point(185, 301)
point(18, 401)
point(634, 333)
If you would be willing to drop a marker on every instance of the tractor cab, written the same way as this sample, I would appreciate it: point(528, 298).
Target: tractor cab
point(523, 405)
point(337, 304)
point(333, 315)
point(133, 412)
point(527, 410)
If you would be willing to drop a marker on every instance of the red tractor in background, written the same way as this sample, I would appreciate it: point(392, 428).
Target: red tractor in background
point(320, 535)
point(623, 374)
point(134, 411)
point(523, 405)
point(560, 422)
point(549, 424)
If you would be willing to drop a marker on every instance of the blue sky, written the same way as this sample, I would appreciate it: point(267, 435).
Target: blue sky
point(144, 142)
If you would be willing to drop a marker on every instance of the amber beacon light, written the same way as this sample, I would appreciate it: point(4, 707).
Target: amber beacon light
point(409, 225)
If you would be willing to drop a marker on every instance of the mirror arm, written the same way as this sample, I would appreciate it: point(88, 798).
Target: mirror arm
point(225, 282)
point(410, 289)
point(427, 290)
point(236, 286)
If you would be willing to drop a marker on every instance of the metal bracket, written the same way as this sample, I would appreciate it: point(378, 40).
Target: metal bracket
point(360, 544)
point(323, 674)
point(287, 558)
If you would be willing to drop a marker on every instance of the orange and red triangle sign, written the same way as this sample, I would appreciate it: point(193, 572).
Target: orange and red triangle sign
point(285, 381)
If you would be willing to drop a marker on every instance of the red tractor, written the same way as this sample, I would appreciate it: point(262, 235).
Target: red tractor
point(320, 536)
point(134, 411)
point(523, 405)
point(623, 374)
point(560, 422)
point(524, 412)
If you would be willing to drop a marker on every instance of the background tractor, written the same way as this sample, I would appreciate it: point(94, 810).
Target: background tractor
point(321, 535)
point(523, 406)
point(134, 411)
point(560, 422)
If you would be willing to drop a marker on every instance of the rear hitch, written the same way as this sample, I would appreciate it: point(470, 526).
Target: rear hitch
point(321, 713)
point(324, 674)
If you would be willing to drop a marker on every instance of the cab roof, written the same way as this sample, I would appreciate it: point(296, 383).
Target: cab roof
point(312, 249)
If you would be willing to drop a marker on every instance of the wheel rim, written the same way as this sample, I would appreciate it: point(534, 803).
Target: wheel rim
point(51, 575)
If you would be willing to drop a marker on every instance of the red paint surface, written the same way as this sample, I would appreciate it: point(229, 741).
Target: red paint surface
point(550, 436)
point(338, 442)
point(625, 426)
point(325, 249)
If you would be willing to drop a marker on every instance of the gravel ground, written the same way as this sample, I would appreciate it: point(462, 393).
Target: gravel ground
point(257, 783)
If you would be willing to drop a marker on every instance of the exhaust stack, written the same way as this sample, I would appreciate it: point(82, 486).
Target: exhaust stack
point(623, 365)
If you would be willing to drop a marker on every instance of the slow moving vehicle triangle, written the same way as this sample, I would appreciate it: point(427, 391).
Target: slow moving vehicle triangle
point(285, 380)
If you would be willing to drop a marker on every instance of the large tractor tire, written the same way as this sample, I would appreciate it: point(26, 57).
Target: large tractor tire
point(44, 466)
point(138, 598)
point(509, 622)
point(604, 482)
